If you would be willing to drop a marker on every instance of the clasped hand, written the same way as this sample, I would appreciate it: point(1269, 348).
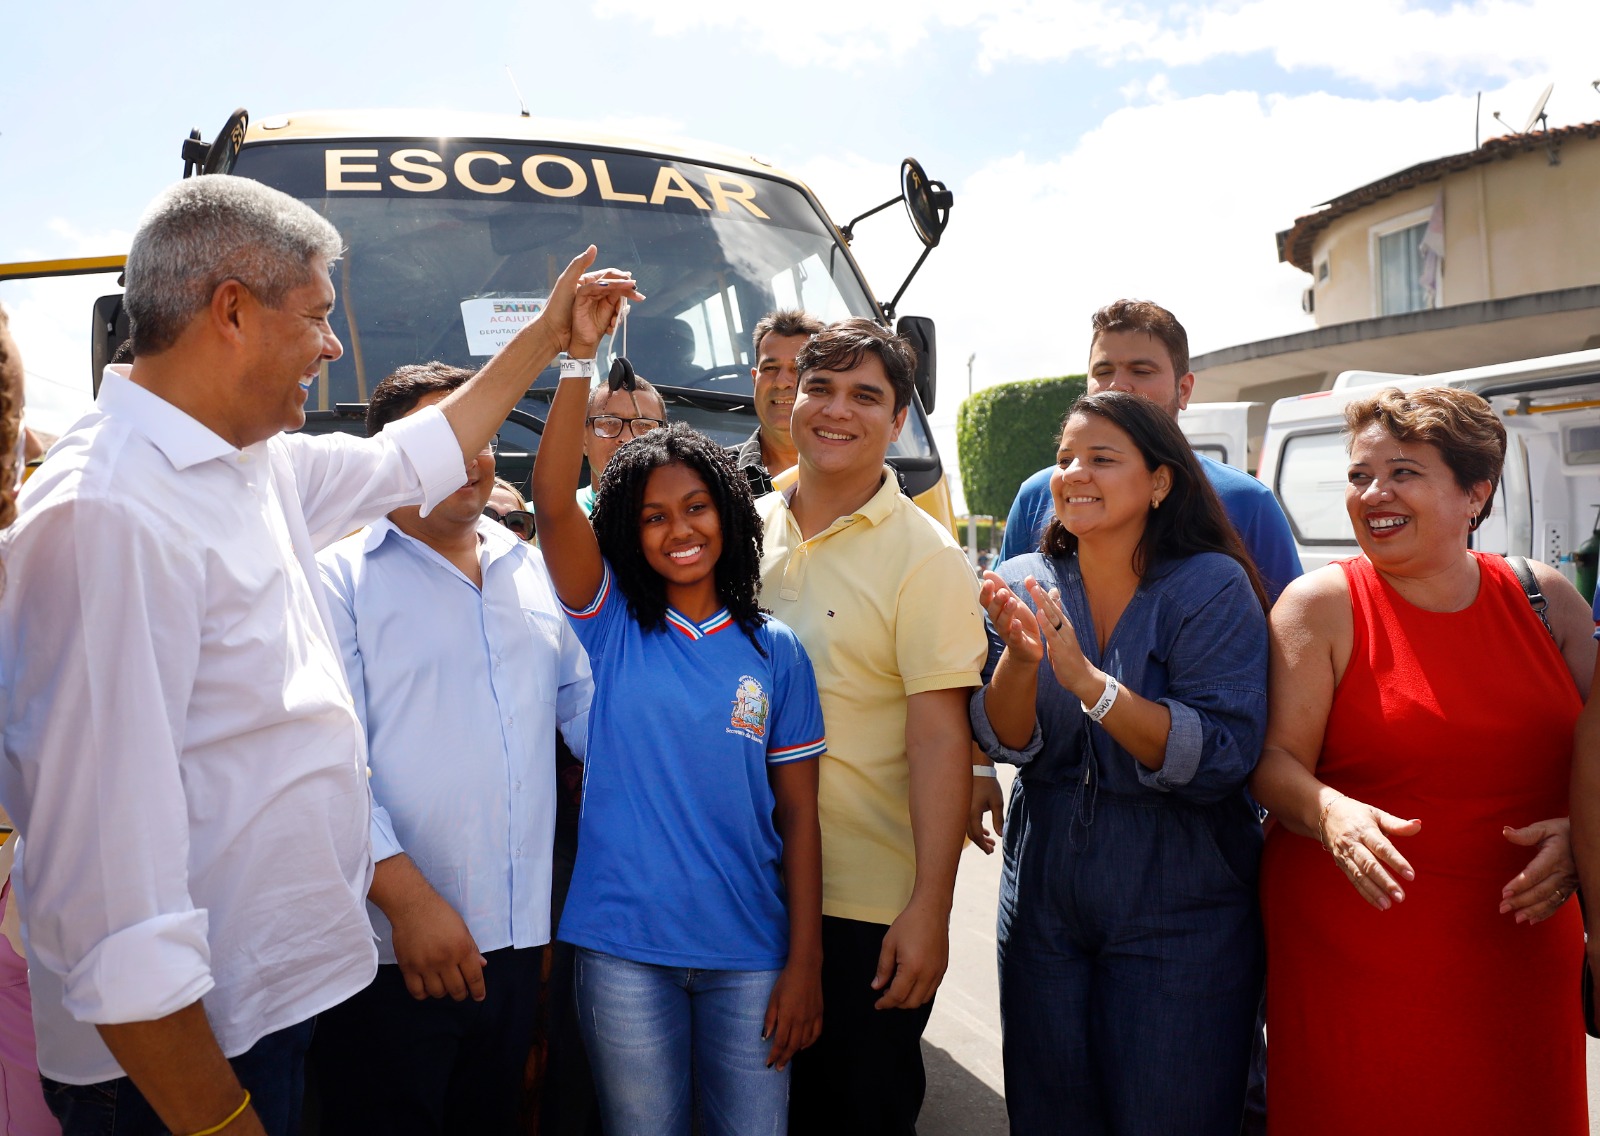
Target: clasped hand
point(585, 310)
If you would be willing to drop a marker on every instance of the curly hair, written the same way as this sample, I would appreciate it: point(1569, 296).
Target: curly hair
point(10, 421)
point(616, 524)
point(1191, 520)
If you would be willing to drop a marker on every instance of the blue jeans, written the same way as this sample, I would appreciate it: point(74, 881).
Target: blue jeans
point(273, 1069)
point(1130, 964)
point(668, 1042)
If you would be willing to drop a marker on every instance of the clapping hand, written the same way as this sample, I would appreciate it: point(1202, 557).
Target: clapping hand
point(1012, 620)
point(1071, 669)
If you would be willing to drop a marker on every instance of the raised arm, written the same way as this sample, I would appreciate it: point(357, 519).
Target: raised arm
point(570, 550)
point(580, 311)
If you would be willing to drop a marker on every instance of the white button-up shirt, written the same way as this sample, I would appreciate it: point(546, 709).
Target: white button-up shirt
point(182, 757)
point(461, 691)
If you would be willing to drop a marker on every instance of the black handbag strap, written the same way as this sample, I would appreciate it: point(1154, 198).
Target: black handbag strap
point(1586, 986)
point(1524, 573)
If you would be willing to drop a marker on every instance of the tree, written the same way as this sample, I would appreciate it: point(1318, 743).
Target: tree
point(1008, 432)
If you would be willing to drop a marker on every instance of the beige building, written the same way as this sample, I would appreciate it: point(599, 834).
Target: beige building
point(1509, 270)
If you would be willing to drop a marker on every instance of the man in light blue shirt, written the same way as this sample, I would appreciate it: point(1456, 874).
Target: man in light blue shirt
point(1141, 348)
point(462, 667)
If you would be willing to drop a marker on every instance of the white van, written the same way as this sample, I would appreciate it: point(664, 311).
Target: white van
point(1220, 430)
point(1549, 496)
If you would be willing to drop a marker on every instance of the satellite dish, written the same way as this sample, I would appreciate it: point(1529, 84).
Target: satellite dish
point(1537, 117)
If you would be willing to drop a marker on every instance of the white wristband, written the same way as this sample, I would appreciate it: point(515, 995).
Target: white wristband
point(1107, 700)
point(984, 771)
point(577, 368)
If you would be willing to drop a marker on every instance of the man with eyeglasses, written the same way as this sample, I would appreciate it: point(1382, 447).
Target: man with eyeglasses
point(615, 417)
point(461, 667)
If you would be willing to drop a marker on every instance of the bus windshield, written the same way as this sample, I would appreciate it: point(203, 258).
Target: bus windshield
point(451, 245)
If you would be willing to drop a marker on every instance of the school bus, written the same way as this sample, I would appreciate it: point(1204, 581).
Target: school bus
point(456, 226)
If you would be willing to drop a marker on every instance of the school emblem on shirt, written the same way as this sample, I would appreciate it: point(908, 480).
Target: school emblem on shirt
point(749, 710)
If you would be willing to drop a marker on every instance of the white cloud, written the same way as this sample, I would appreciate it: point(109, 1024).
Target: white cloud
point(50, 321)
point(839, 33)
point(1387, 44)
point(1176, 201)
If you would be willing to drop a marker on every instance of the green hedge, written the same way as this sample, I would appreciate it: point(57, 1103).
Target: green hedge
point(1006, 433)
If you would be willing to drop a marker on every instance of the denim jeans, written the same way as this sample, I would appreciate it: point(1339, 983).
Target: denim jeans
point(1130, 965)
point(668, 1042)
point(273, 1069)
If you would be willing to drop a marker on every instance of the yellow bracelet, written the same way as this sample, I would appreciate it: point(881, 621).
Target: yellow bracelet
point(232, 1116)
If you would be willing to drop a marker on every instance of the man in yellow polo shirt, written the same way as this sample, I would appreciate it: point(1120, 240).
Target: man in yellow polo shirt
point(887, 608)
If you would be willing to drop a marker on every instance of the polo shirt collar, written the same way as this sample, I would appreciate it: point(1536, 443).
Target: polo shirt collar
point(875, 511)
point(182, 439)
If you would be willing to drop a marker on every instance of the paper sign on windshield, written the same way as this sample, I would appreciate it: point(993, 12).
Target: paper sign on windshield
point(491, 322)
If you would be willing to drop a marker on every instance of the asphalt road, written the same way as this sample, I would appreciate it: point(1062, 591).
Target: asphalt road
point(961, 1048)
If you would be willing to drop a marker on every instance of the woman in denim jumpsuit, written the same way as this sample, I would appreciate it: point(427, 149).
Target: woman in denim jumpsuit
point(1129, 933)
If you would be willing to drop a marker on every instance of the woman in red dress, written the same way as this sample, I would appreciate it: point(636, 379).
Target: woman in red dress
point(1422, 972)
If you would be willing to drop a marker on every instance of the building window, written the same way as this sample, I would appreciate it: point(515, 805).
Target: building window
point(1400, 272)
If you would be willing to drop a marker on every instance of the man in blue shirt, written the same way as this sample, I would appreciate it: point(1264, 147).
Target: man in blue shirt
point(461, 666)
point(1141, 347)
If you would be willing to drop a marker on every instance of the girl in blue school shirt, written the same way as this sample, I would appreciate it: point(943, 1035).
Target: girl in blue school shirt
point(696, 901)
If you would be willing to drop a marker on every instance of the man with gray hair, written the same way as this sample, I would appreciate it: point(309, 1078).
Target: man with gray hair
point(181, 755)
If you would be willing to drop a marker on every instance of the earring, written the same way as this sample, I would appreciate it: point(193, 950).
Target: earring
point(1155, 502)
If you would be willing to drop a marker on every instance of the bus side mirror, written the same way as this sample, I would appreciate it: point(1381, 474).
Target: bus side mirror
point(919, 330)
point(927, 202)
point(107, 333)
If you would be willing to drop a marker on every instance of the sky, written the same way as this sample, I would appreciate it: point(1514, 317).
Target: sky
point(1094, 150)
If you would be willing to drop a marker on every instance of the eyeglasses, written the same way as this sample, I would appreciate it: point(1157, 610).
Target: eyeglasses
point(517, 520)
point(610, 425)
